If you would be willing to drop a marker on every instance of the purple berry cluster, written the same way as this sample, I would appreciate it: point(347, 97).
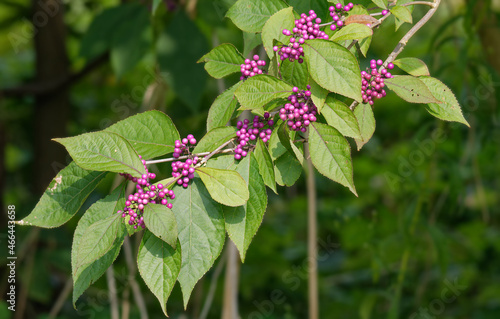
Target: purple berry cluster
point(307, 27)
point(184, 171)
point(372, 85)
point(300, 112)
point(385, 12)
point(182, 146)
point(251, 67)
point(336, 12)
point(145, 194)
point(262, 127)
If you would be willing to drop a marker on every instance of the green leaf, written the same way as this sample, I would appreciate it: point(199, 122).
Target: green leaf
point(295, 73)
point(159, 266)
point(273, 29)
point(298, 150)
point(102, 209)
point(284, 136)
point(250, 15)
point(179, 46)
point(338, 115)
point(103, 151)
point(161, 222)
point(411, 89)
point(99, 35)
point(364, 45)
point(223, 108)
point(250, 42)
point(333, 67)
point(402, 13)
point(215, 138)
point(151, 133)
point(413, 66)
point(337, 1)
point(259, 90)
point(63, 198)
point(319, 6)
point(97, 240)
point(354, 31)
point(318, 94)
point(331, 154)
point(131, 40)
point(155, 5)
point(243, 222)
point(223, 60)
point(449, 110)
point(225, 186)
point(201, 233)
point(380, 3)
point(266, 166)
point(274, 66)
point(366, 122)
point(287, 169)
point(276, 149)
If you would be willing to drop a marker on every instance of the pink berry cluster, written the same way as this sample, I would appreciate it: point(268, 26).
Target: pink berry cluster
point(336, 12)
point(145, 194)
point(181, 146)
point(262, 127)
point(372, 85)
point(184, 171)
point(251, 67)
point(307, 27)
point(300, 111)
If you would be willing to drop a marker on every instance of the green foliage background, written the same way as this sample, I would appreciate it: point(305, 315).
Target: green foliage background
point(427, 213)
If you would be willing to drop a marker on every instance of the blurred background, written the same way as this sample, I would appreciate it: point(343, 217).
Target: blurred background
point(421, 241)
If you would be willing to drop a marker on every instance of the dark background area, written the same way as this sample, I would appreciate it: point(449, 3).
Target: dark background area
point(422, 236)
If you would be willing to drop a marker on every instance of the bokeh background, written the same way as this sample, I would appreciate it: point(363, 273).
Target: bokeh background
point(422, 239)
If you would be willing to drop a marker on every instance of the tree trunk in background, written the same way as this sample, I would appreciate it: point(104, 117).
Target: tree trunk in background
point(51, 110)
point(489, 33)
point(231, 282)
point(3, 143)
point(50, 114)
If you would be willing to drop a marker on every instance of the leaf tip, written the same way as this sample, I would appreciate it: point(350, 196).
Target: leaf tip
point(23, 222)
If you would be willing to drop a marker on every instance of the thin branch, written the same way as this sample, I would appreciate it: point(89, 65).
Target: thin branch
point(430, 4)
point(171, 159)
point(217, 151)
point(402, 43)
point(373, 26)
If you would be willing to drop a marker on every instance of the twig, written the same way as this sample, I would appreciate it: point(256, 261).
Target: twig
point(166, 160)
point(217, 150)
point(138, 297)
point(402, 43)
point(430, 4)
point(373, 26)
